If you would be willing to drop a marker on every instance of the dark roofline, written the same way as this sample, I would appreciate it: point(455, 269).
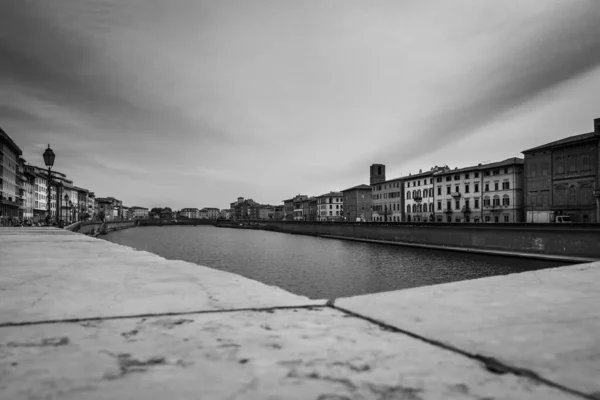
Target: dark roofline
point(5, 136)
point(358, 187)
point(331, 194)
point(570, 139)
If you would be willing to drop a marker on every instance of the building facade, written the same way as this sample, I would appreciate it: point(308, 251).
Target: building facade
point(10, 182)
point(330, 206)
point(419, 195)
point(387, 196)
point(190, 213)
point(358, 204)
point(563, 179)
point(245, 209)
point(503, 197)
point(293, 208)
point(139, 212)
point(209, 213)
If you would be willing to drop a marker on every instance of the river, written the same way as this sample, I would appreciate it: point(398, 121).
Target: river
point(317, 267)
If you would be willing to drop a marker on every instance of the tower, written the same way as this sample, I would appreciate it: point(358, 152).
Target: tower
point(377, 174)
point(597, 125)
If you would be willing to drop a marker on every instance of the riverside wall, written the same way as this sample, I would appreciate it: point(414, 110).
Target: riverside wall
point(566, 241)
point(93, 228)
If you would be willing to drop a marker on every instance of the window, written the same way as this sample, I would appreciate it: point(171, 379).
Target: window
point(457, 219)
point(532, 198)
point(448, 189)
point(572, 195)
point(486, 187)
point(456, 177)
point(449, 218)
point(439, 205)
point(430, 180)
point(496, 185)
point(486, 173)
point(496, 171)
point(439, 190)
point(448, 205)
point(448, 178)
point(457, 204)
point(438, 179)
point(545, 168)
point(560, 166)
point(572, 162)
point(496, 200)
point(414, 208)
point(430, 207)
point(466, 188)
point(506, 200)
point(476, 203)
point(476, 174)
point(419, 182)
point(545, 198)
point(505, 185)
point(496, 219)
point(408, 195)
point(408, 209)
point(457, 188)
point(477, 188)
point(466, 176)
point(466, 203)
point(506, 170)
point(585, 162)
point(486, 201)
point(586, 196)
point(533, 170)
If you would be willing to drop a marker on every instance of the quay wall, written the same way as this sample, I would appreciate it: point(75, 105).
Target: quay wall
point(94, 228)
point(155, 222)
point(570, 241)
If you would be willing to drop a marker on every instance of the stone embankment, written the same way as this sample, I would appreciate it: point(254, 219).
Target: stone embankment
point(96, 228)
point(571, 243)
point(84, 318)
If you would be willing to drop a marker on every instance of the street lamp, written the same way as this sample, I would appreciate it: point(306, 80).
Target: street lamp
point(49, 157)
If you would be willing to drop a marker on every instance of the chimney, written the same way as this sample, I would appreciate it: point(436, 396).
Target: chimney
point(597, 125)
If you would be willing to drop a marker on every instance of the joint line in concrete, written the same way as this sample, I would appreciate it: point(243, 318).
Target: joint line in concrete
point(492, 364)
point(152, 315)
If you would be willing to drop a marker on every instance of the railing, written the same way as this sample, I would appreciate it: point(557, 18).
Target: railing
point(448, 210)
point(455, 194)
point(466, 209)
point(418, 198)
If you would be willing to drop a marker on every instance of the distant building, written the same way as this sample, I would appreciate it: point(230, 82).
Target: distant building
point(245, 209)
point(358, 203)
point(209, 213)
point(277, 213)
point(225, 214)
point(387, 196)
point(293, 208)
point(563, 178)
point(419, 195)
point(503, 196)
point(138, 212)
point(190, 213)
point(330, 206)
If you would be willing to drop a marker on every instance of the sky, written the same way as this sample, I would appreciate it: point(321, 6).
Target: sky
point(190, 103)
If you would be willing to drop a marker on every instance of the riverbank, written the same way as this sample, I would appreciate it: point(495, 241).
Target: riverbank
point(544, 242)
point(123, 323)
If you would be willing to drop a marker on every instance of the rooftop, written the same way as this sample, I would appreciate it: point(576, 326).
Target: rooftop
point(567, 140)
point(359, 187)
point(331, 194)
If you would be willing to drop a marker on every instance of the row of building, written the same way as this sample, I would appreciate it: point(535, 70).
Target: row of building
point(26, 196)
point(560, 178)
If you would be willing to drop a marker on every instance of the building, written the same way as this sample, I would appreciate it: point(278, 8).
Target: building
point(137, 212)
point(277, 213)
point(11, 186)
point(126, 213)
point(503, 198)
point(91, 204)
point(293, 208)
point(83, 213)
point(419, 197)
point(480, 193)
point(387, 196)
point(563, 178)
point(209, 213)
point(225, 214)
point(358, 203)
point(245, 209)
point(190, 213)
point(330, 206)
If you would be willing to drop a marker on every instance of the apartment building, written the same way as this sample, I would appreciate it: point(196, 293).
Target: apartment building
point(138, 212)
point(191, 213)
point(563, 178)
point(293, 208)
point(502, 184)
point(457, 195)
point(10, 185)
point(209, 213)
point(358, 203)
point(419, 198)
point(330, 206)
point(387, 196)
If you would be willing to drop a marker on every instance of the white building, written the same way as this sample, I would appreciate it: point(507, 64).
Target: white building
point(209, 213)
point(330, 206)
point(191, 213)
point(503, 198)
point(137, 212)
point(419, 196)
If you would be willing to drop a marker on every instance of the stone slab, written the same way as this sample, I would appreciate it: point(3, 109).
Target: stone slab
point(547, 321)
point(56, 277)
point(319, 354)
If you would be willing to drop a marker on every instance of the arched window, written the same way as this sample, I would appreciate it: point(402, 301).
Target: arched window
point(496, 200)
point(431, 192)
point(430, 207)
point(486, 201)
point(408, 195)
point(572, 195)
point(408, 209)
point(506, 200)
point(414, 208)
point(419, 193)
point(414, 194)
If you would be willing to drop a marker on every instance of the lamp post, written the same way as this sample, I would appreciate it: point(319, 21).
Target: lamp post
point(49, 157)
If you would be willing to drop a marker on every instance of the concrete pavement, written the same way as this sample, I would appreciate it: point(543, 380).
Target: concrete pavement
point(82, 318)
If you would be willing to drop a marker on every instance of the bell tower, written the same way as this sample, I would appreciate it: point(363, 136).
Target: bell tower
point(377, 174)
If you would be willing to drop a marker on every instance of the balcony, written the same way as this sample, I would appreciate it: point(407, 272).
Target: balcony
point(448, 210)
point(466, 209)
point(455, 194)
point(418, 199)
